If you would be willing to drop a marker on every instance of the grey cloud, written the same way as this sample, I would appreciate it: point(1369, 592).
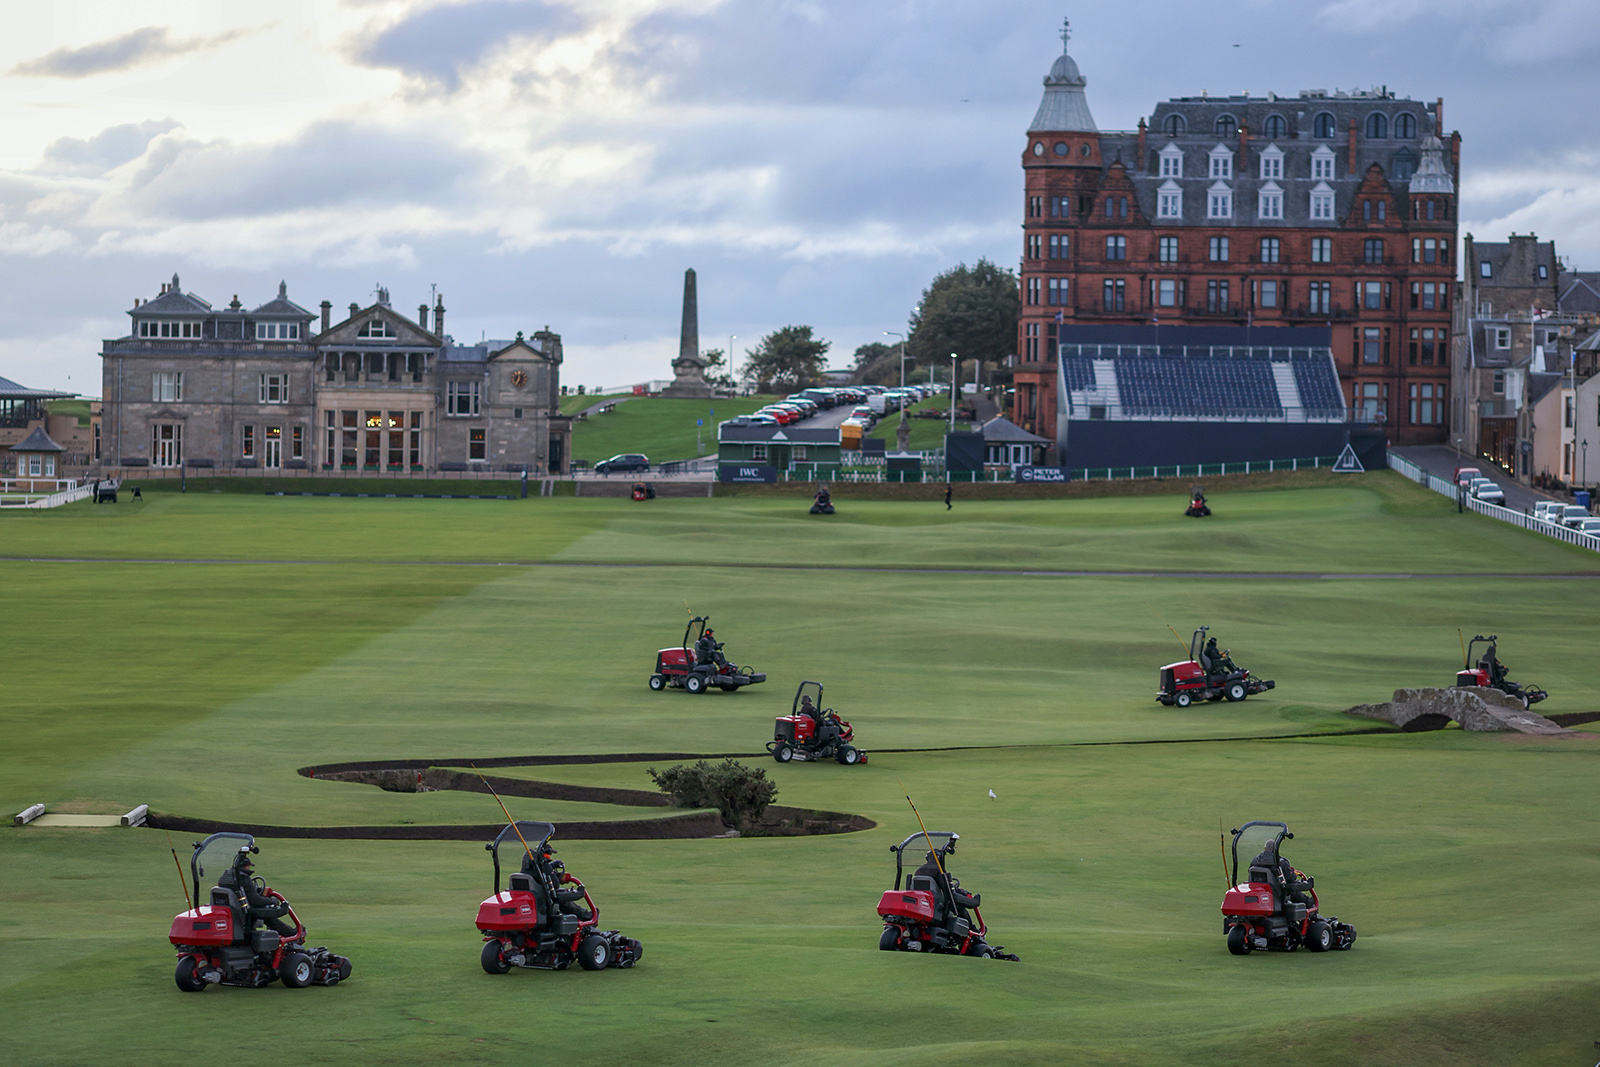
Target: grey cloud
point(439, 44)
point(148, 45)
point(329, 164)
point(106, 150)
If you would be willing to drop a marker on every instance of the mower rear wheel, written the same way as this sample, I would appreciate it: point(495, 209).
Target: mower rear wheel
point(187, 980)
point(1239, 941)
point(889, 940)
point(658, 682)
point(594, 953)
point(1236, 691)
point(295, 970)
point(847, 755)
point(695, 683)
point(1183, 700)
point(493, 961)
point(1318, 937)
point(782, 753)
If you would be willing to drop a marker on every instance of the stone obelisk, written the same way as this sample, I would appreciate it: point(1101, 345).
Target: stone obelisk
point(689, 369)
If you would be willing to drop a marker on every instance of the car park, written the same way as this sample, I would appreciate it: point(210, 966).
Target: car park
point(1572, 515)
point(624, 463)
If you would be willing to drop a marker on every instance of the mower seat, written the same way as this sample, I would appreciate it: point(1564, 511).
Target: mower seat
point(924, 884)
point(1269, 877)
point(223, 897)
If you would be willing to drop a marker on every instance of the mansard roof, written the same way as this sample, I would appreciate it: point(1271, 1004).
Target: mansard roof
point(1513, 264)
point(173, 302)
point(281, 307)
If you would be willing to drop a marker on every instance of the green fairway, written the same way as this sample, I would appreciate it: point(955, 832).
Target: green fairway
point(926, 434)
point(662, 428)
point(202, 687)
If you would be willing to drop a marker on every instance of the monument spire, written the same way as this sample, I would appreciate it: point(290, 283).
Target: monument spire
point(689, 369)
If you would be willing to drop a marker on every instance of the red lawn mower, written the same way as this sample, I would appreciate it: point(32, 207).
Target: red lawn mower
point(1277, 908)
point(811, 732)
point(1491, 674)
point(1207, 675)
point(545, 918)
point(933, 913)
point(218, 943)
point(698, 664)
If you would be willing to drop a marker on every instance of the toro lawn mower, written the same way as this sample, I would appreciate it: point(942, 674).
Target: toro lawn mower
point(822, 503)
point(545, 918)
point(933, 913)
point(1491, 673)
point(1207, 675)
point(698, 664)
point(1197, 508)
point(1277, 908)
point(811, 732)
point(218, 943)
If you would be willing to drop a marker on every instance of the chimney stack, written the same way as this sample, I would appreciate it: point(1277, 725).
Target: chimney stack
point(438, 316)
point(422, 315)
point(327, 315)
point(355, 309)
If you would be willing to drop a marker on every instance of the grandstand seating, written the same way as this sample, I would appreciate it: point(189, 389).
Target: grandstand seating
point(1207, 382)
point(1320, 395)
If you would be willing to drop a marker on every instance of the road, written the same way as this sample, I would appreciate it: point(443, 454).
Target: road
point(1441, 460)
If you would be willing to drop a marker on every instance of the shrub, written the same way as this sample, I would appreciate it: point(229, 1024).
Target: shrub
point(740, 793)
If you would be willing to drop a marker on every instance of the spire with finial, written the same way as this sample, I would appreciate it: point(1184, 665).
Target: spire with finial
point(1066, 35)
point(1064, 109)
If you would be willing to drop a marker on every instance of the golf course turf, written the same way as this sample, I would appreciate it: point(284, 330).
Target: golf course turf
point(282, 633)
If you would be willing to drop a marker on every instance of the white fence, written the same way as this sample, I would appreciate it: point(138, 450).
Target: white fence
point(47, 500)
point(1445, 487)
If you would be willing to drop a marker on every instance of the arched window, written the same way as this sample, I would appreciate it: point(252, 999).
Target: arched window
point(1324, 125)
point(1275, 128)
point(1403, 164)
point(1405, 126)
point(1227, 125)
point(1377, 125)
point(1175, 126)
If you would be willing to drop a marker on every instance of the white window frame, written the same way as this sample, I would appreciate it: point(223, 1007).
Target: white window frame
point(171, 329)
point(1502, 337)
point(758, 453)
point(1271, 163)
point(1161, 250)
point(277, 331)
point(1269, 201)
point(1322, 250)
point(1221, 165)
point(1322, 202)
point(459, 395)
point(273, 389)
point(1322, 161)
point(166, 387)
point(377, 329)
point(1169, 200)
point(1171, 162)
point(1219, 201)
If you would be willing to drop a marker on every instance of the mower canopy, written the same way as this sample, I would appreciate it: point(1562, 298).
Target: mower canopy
point(917, 846)
point(1250, 839)
point(215, 855)
point(534, 833)
point(807, 689)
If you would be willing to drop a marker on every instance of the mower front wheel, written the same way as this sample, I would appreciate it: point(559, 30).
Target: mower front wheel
point(658, 682)
point(1183, 700)
point(889, 940)
point(187, 980)
point(594, 953)
point(847, 755)
point(782, 753)
point(1236, 691)
point(296, 970)
point(1239, 941)
point(695, 683)
point(493, 961)
point(1319, 938)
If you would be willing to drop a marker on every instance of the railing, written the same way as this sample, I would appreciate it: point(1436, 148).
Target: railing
point(1448, 488)
point(47, 500)
point(1201, 470)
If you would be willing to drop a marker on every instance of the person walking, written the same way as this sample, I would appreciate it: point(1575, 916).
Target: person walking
point(947, 490)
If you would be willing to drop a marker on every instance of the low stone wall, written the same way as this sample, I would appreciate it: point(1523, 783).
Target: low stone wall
point(1474, 707)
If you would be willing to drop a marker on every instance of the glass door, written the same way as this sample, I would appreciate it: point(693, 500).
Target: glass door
point(272, 456)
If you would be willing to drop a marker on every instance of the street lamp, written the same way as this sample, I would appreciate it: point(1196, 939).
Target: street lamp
point(955, 368)
point(732, 337)
point(902, 433)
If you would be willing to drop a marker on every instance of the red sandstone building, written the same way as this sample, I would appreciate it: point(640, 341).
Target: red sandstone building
point(1327, 209)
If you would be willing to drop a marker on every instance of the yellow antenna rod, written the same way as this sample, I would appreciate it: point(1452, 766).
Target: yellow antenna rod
point(1227, 876)
point(1175, 633)
point(502, 804)
point(1462, 638)
point(925, 836)
point(181, 879)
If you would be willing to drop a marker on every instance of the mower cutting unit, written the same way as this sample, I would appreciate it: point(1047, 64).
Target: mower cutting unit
point(811, 732)
point(697, 664)
point(218, 944)
point(1491, 673)
point(538, 920)
point(1270, 912)
point(1204, 676)
point(933, 913)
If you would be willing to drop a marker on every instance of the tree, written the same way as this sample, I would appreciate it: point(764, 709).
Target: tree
point(717, 371)
point(971, 311)
point(877, 364)
point(740, 793)
point(787, 359)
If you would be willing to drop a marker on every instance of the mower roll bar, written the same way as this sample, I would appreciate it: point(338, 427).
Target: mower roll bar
point(535, 833)
point(702, 620)
point(1283, 834)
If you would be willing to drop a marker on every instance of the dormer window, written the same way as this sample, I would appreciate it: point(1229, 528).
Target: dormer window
point(1175, 126)
point(1219, 202)
point(1321, 203)
point(1227, 126)
point(1271, 163)
point(183, 331)
point(1270, 201)
point(1172, 162)
point(1169, 201)
point(1221, 162)
point(277, 331)
point(377, 328)
point(1485, 269)
point(1322, 164)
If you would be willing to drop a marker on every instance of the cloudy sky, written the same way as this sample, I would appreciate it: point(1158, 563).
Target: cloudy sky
point(560, 162)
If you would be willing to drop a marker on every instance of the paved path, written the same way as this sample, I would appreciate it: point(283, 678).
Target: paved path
point(1441, 460)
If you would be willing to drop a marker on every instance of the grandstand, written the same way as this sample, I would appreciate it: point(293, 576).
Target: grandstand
point(1159, 395)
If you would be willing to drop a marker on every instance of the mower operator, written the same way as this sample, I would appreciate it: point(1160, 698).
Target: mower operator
point(709, 650)
point(258, 906)
point(1218, 661)
point(1270, 858)
point(553, 874)
point(947, 883)
point(827, 722)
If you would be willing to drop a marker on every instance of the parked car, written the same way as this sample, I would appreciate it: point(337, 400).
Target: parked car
point(625, 463)
point(1589, 526)
point(1542, 510)
point(1464, 475)
point(1572, 515)
point(1489, 492)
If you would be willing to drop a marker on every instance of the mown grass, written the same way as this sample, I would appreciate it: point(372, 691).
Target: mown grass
point(199, 688)
point(925, 434)
point(662, 428)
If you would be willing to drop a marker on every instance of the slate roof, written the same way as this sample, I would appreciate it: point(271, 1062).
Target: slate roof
point(1540, 383)
point(1579, 292)
point(1064, 108)
point(10, 390)
point(282, 307)
point(1001, 430)
point(1513, 264)
point(37, 441)
point(173, 303)
point(762, 433)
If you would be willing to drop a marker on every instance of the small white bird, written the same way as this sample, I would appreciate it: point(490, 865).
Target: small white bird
point(992, 796)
